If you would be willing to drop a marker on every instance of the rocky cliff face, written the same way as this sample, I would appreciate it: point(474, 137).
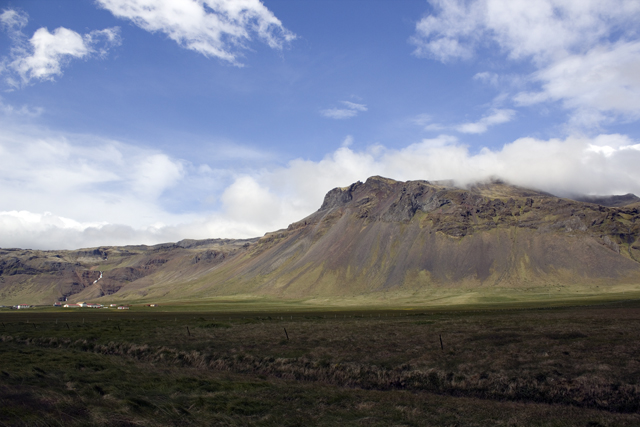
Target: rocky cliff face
point(380, 236)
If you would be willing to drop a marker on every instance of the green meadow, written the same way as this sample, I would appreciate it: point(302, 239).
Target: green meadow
point(247, 362)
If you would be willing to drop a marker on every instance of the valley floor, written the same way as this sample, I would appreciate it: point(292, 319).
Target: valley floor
point(571, 366)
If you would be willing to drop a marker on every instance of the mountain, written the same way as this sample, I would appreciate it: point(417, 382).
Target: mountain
point(381, 239)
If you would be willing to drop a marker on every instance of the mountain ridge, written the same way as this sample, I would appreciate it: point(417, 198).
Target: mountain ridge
point(380, 237)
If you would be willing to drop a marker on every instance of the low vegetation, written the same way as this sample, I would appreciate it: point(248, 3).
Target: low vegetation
point(562, 366)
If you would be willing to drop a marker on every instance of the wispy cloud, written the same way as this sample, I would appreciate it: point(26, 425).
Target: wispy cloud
point(22, 111)
point(587, 54)
point(487, 77)
point(352, 110)
point(45, 54)
point(213, 28)
point(426, 122)
point(347, 141)
point(496, 117)
point(354, 106)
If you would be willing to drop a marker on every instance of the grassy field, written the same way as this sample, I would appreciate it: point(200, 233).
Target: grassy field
point(198, 364)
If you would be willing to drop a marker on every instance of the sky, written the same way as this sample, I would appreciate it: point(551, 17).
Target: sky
point(149, 121)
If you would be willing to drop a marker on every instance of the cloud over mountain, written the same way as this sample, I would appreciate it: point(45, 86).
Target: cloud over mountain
point(113, 192)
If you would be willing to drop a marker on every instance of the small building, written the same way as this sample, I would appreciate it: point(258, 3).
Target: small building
point(123, 307)
point(72, 305)
point(19, 306)
point(57, 304)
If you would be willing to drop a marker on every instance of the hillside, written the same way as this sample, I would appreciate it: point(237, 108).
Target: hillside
point(36, 277)
point(612, 201)
point(381, 238)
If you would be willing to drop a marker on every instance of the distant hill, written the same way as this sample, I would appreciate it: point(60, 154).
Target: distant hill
point(611, 201)
point(38, 277)
point(381, 237)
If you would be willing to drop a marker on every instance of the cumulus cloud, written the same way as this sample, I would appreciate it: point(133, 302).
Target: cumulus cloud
point(214, 28)
point(352, 110)
point(69, 191)
point(24, 229)
point(496, 117)
point(43, 56)
point(91, 180)
point(587, 54)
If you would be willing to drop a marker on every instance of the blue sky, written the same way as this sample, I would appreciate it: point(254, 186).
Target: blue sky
point(138, 121)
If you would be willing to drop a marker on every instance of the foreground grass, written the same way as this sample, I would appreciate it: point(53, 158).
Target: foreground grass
point(567, 366)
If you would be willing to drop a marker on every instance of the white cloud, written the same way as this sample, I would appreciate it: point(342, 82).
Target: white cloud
point(247, 201)
point(45, 54)
point(421, 119)
point(24, 229)
point(544, 29)
point(440, 36)
point(606, 164)
point(352, 110)
point(22, 111)
point(497, 116)
point(487, 77)
point(354, 106)
point(494, 117)
point(426, 122)
point(214, 28)
point(89, 179)
point(13, 21)
point(49, 50)
point(154, 174)
point(339, 113)
point(604, 79)
point(587, 53)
